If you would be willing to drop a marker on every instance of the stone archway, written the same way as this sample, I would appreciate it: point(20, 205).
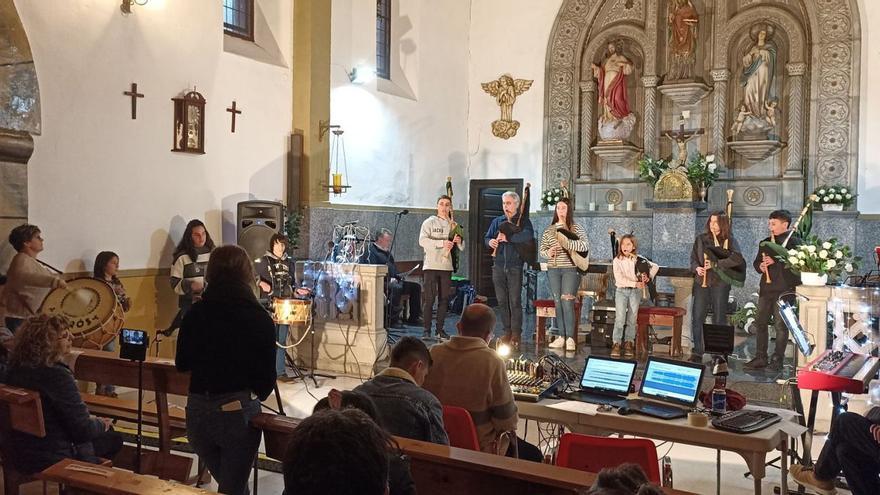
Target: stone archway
point(19, 121)
point(823, 78)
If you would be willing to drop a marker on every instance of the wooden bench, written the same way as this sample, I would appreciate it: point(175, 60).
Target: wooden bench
point(159, 376)
point(20, 410)
point(659, 316)
point(441, 470)
point(87, 478)
point(546, 308)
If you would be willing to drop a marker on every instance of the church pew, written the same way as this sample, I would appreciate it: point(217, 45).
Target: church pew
point(85, 478)
point(20, 410)
point(441, 470)
point(159, 376)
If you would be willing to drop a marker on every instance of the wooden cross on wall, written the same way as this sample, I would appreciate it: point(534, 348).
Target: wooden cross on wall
point(134, 96)
point(234, 112)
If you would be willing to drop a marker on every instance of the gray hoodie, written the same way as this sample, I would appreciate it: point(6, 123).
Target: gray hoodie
point(435, 231)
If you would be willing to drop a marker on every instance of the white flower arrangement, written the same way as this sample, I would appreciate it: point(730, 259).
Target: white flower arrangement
point(552, 196)
point(835, 194)
point(815, 255)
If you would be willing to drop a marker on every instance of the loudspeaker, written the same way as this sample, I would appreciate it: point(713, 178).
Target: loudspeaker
point(257, 221)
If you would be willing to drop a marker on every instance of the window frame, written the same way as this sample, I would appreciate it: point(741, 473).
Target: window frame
point(249, 36)
point(383, 15)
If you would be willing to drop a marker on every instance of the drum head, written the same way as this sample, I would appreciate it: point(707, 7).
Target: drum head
point(91, 306)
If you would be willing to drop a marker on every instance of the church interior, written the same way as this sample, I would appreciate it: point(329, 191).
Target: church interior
point(569, 193)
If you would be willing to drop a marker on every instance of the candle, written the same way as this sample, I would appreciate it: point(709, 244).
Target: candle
point(629, 206)
point(610, 207)
point(685, 114)
point(592, 207)
point(337, 183)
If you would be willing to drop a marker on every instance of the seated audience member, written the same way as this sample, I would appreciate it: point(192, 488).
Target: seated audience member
point(379, 253)
point(36, 364)
point(853, 446)
point(28, 282)
point(407, 410)
point(626, 479)
point(227, 341)
point(105, 270)
point(466, 373)
point(400, 480)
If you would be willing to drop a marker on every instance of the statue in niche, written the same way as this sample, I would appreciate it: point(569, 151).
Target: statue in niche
point(759, 86)
point(683, 20)
point(505, 89)
point(616, 121)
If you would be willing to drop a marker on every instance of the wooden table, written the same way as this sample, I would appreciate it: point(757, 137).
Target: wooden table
point(116, 481)
point(753, 447)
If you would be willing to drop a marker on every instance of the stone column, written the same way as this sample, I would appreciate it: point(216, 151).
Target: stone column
point(588, 99)
point(719, 114)
point(650, 144)
point(795, 71)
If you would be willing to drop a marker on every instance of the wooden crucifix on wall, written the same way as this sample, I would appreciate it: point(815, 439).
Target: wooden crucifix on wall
point(133, 93)
point(233, 111)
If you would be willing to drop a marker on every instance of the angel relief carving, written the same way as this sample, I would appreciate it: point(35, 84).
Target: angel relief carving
point(505, 89)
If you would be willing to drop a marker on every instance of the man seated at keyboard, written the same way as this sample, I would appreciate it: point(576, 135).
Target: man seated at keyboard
point(853, 446)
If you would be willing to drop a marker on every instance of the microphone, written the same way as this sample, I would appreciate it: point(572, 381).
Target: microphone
point(403, 212)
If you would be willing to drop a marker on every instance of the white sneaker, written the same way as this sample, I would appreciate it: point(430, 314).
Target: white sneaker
point(570, 344)
point(558, 343)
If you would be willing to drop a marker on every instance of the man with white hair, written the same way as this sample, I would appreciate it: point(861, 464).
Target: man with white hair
point(503, 237)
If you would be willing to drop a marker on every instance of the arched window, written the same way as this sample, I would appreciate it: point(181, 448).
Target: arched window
point(238, 18)
point(383, 39)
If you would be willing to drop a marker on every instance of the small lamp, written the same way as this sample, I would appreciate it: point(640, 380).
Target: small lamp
point(125, 6)
point(361, 75)
point(338, 180)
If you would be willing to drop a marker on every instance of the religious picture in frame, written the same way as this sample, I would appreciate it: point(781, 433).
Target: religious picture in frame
point(189, 123)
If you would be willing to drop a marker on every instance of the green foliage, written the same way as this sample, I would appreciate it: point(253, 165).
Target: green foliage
point(702, 170)
point(835, 194)
point(552, 196)
point(650, 169)
point(292, 225)
point(817, 256)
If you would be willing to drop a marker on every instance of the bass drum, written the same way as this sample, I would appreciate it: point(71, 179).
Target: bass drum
point(91, 306)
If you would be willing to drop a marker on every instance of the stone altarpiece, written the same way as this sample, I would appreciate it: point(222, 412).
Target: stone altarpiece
point(797, 127)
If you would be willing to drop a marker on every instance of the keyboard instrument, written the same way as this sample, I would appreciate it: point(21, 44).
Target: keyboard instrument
point(839, 371)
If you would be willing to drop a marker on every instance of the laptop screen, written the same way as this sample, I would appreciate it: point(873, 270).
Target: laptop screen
point(609, 375)
point(672, 381)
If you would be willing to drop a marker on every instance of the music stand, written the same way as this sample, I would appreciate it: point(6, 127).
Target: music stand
point(718, 339)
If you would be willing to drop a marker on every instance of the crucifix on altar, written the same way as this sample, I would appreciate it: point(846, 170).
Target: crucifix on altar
point(680, 138)
point(133, 93)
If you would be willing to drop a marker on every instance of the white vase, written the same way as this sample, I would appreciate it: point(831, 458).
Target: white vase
point(813, 278)
point(832, 207)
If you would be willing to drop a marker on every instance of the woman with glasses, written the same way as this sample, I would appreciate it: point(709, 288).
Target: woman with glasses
point(28, 281)
point(36, 364)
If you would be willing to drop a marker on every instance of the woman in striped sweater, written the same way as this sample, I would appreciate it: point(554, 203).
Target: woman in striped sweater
point(561, 271)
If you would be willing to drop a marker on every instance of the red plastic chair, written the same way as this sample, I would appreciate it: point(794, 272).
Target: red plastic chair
point(460, 428)
point(591, 454)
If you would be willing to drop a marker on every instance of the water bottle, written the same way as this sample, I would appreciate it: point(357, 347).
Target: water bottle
point(719, 400)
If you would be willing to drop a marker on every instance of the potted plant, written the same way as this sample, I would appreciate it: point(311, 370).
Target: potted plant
point(834, 197)
point(702, 171)
point(817, 260)
point(745, 316)
point(650, 169)
point(551, 196)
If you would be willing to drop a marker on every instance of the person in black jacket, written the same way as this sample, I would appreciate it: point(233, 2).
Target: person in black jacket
point(35, 364)
point(782, 280)
point(379, 253)
point(227, 342)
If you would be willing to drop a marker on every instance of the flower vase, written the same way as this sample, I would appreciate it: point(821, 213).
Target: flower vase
point(832, 207)
point(703, 190)
point(813, 278)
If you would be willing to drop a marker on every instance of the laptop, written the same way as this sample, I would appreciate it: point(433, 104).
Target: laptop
point(604, 381)
point(672, 387)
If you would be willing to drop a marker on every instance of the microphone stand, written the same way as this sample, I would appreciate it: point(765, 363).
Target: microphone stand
point(392, 336)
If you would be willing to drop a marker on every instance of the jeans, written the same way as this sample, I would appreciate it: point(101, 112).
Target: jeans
point(508, 290)
point(851, 447)
point(438, 283)
point(626, 299)
point(225, 440)
point(766, 307)
point(281, 354)
point(702, 295)
point(564, 282)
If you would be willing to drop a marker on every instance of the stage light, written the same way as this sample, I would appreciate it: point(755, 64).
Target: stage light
point(503, 350)
point(361, 74)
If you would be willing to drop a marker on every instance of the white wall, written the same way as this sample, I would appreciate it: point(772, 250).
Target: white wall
point(869, 111)
point(403, 137)
point(508, 36)
point(100, 180)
